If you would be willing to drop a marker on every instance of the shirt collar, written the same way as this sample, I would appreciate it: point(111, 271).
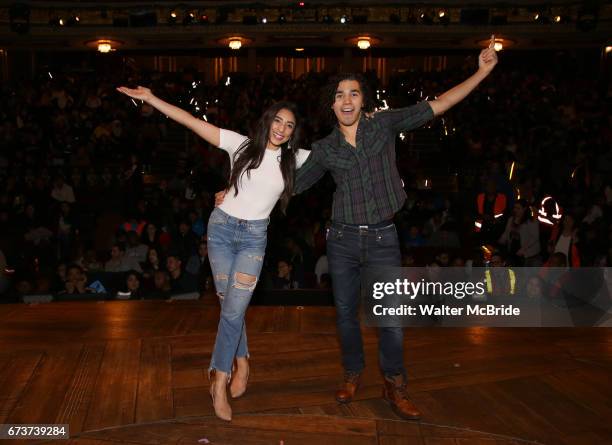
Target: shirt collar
point(339, 136)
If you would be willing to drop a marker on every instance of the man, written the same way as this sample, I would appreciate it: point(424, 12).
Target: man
point(199, 265)
point(181, 281)
point(360, 155)
point(500, 279)
point(119, 262)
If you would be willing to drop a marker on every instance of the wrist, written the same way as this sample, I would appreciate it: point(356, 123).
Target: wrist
point(483, 72)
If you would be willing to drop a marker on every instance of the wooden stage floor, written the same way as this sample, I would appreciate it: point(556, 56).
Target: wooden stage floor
point(135, 373)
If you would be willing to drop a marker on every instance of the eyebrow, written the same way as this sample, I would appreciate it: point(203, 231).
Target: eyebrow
point(352, 91)
point(289, 122)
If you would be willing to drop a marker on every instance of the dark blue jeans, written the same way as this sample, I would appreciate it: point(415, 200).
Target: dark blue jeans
point(349, 249)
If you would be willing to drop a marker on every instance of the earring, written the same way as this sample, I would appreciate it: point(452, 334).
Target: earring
point(289, 145)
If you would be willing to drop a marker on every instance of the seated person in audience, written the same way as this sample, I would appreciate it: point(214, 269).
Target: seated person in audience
point(119, 262)
point(161, 285)
point(199, 265)
point(284, 278)
point(136, 249)
point(181, 281)
point(321, 268)
point(325, 282)
point(132, 288)
point(151, 235)
point(59, 278)
point(184, 241)
point(443, 258)
point(76, 281)
point(90, 262)
point(535, 287)
point(152, 264)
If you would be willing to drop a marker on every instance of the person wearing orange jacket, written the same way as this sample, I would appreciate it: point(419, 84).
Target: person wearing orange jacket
point(491, 207)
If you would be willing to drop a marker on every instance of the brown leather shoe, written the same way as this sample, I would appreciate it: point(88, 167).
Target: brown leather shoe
point(349, 387)
point(394, 392)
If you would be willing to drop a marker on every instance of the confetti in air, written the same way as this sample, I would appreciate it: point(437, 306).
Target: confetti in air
point(134, 102)
point(227, 82)
point(50, 75)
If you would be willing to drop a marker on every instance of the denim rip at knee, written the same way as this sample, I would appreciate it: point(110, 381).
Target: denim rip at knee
point(236, 250)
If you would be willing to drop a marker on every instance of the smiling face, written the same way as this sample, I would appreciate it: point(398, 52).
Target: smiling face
point(348, 102)
point(281, 128)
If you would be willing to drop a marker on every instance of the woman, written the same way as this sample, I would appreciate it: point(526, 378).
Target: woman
point(564, 239)
point(152, 263)
point(262, 172)
point(522, 237)
point(132, 289)
point(151, 235)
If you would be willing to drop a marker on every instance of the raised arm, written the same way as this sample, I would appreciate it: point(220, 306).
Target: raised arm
point(206, 131)
point(486, 62)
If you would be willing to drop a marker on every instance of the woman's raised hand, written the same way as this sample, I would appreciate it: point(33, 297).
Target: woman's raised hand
point(141, 93)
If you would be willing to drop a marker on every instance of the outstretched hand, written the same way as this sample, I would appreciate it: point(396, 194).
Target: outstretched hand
point(141, 93)
point(488, 57)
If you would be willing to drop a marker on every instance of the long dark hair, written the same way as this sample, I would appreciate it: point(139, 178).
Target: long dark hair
point(250, 154)
point(328, 96)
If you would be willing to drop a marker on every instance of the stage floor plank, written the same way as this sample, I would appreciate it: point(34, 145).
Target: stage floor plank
point(136, 372)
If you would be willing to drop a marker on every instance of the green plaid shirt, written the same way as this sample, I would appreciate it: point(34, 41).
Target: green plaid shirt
point(368, 186)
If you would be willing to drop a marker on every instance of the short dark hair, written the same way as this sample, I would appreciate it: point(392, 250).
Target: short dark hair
point(328, 95)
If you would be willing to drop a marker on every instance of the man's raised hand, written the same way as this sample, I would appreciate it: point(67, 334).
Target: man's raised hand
point(219, 197)
point(488, 57)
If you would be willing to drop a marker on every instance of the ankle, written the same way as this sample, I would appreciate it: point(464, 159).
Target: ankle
point(220, 379)
point(242, 362)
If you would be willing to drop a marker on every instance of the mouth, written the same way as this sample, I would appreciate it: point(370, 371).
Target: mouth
point(347, 111)
point(277, 136)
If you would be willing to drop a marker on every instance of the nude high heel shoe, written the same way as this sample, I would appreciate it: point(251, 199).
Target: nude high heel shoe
point(239, 386)
point(223, 410)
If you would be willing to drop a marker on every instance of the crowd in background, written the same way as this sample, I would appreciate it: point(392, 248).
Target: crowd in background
point(90, 203)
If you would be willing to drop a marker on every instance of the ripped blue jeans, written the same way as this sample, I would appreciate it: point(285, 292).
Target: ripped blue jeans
point(236, 249)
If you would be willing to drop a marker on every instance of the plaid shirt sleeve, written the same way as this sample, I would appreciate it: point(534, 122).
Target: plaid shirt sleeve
point(406, 119)
point(310, 172)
